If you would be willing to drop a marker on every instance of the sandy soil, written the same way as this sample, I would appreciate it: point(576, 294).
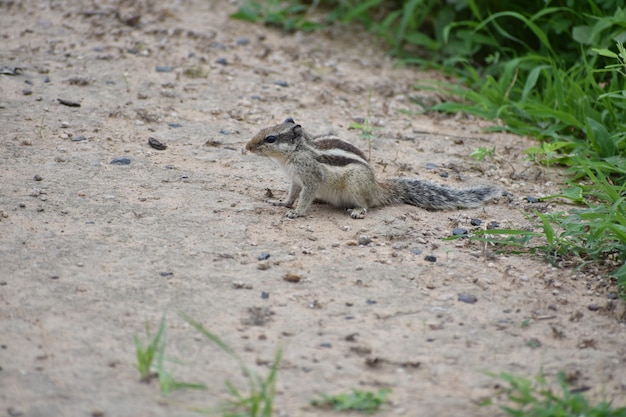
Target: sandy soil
point(91, 251)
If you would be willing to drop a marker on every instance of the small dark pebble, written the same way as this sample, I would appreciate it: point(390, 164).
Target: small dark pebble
point(14, 412)
point(326, 345)
point(243, 41)
point(22, 205)
point(46, 79)
point(431, 165)
point(29, 82)
point(68, 103)
point(476, 222)
point(163, 68)
point(174, 125)
point(282, 83)
point(493, 225)
point(54, 277)
point(38, 177)
point(166, 274)
point(120, 161)
point(265, 295)
point(458, 231)
point(593, 307)
point(255, 97)
point(370, 302)
point(415, 251)
point(532, 199)
point(263, 256)
point(443, 174)
point(221, 61)
point(430, 258)
point(157, 144)
point(27, 92)
point(467, 298)
point(612, 296)
point(225, 131)
point(78, 138)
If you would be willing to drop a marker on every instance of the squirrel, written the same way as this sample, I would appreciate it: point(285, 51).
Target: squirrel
point(337, 172)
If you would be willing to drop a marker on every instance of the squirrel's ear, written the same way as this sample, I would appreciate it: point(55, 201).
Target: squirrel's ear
point(289, 120)
point(297, 132)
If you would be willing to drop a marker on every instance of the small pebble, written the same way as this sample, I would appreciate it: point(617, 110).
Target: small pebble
point(430, 258)
point(493, 225)
point(38, 177)
point(243, 41)
point(263, 266)
point(326, 345)
point(156, 144)
point(458, 231)
point(364, 240)
point(69, 103)
point(370, 302)
point(166, 274)
point(443, 174)
point(282, 83)
point(22, 205)
point(174, 125)
point(612, 296)
point(27, 92)
point(593, 307)
point(163, 68)
point(78, 138)
point(476, 222)
point(532, 199)
point(467, 298)
point(263, 256)
point(255, 97)
point(265, 295)
point(221, 61)
point(431, 165)
point(415, 251)
point(291, 277)
point(120, 161)
point(14, 412)
point(225, 132)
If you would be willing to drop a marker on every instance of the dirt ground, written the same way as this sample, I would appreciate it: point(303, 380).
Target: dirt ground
point(91, 251)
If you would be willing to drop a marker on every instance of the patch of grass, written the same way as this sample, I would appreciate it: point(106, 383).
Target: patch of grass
point(363, 401)
point(483, 152)
point(151, 362)
point(258, 399)
point(288, 16)
point(536, 399)
point(146, 354)
point(555, 71)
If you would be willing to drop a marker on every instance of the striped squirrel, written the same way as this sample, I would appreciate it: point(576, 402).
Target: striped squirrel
point(338, 173)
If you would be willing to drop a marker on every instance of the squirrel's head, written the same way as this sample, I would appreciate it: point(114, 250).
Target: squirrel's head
point(277, 141)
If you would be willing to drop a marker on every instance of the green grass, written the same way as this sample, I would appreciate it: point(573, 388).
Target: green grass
point(536, 399)
point(364, 401)
point(151, 362)
point(552, 70)
point(258, 399)
point(146, 354)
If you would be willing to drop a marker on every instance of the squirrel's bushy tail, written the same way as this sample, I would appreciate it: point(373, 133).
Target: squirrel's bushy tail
point(431, 196)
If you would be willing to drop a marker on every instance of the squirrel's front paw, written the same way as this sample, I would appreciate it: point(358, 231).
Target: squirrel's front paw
point(292, 214)
point(358, 213)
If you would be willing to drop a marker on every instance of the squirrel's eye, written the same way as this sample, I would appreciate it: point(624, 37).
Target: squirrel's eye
point(270, 139)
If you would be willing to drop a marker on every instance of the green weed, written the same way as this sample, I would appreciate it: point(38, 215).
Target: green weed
point(258, 400)
point(483, 152)
point(151, 362)
point(364, 401)
point(146, 354)
point(288, 16)
point(536, 399)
